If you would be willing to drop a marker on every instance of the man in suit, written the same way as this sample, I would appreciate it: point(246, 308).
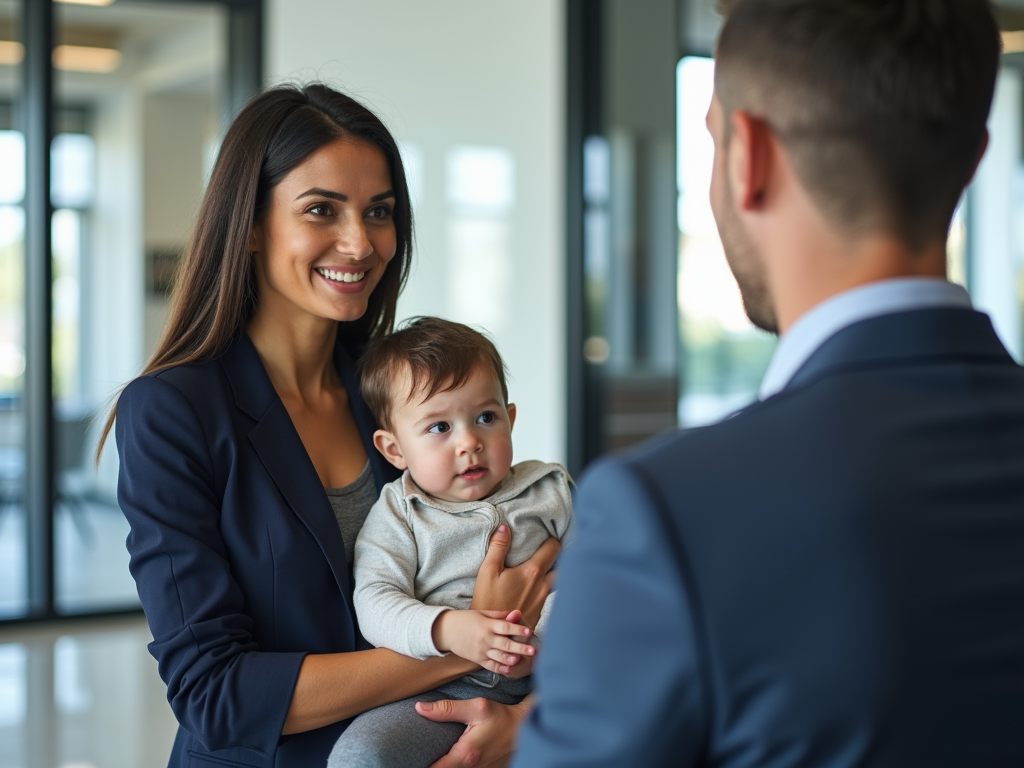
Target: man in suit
point(833, 577)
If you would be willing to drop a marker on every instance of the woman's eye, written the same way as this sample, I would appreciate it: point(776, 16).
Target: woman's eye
point(379, 212)
point(487, 417)
point(320, 209)
point(440, 428)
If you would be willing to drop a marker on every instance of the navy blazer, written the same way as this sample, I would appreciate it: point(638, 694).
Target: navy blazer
point(236, 553)
point(832, 578)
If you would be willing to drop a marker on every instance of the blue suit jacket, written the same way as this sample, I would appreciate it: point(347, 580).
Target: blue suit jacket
point(236, 553)
point(832, 578)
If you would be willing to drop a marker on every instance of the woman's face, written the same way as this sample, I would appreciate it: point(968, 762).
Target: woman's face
point(329, 233)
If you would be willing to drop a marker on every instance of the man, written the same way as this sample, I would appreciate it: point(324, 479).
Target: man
point(834, 576)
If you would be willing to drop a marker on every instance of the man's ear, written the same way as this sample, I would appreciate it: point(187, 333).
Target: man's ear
point(751, 149)
point(388, 445)
point(511, 408)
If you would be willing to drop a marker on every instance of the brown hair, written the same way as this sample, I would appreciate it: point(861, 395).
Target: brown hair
point(881, 105)
point(214, 295)
point(439, 354)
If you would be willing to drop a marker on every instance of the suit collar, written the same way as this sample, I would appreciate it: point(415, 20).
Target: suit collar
point(875, 299)
point(905, 337)
point(283, 455)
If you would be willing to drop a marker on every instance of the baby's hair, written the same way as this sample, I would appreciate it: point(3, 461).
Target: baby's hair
point(440, 356)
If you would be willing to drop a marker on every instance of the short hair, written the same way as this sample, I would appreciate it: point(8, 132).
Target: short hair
point(439, 355)
point(881, 105)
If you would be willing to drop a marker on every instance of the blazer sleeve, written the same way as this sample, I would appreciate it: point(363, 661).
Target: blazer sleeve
point(618, 682)
point(385, 561)
point(222, 688)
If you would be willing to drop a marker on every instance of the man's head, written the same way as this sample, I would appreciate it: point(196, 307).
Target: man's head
point(879, 107)
point(438, 390)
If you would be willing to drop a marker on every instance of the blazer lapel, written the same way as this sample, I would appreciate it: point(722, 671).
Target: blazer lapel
point(278, 445)
point(904, 336)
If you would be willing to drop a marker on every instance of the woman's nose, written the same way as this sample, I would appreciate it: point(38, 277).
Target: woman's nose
point(352, 240)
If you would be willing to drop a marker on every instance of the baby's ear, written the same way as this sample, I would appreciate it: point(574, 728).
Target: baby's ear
point(388, 445)
point(511, 409)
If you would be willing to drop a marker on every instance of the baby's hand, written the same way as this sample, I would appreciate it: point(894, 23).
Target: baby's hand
point(483, 637)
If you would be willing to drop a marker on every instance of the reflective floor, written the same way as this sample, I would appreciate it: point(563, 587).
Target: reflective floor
point(82, 696)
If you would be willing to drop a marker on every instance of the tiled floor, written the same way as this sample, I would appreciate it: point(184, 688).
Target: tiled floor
point(82, 696)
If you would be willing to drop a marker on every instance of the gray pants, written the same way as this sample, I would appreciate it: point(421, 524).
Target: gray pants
point(396, 736)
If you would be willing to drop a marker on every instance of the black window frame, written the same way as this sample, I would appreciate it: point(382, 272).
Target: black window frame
point(245, 21)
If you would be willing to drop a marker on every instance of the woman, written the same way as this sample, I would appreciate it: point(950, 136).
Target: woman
point(248, 410)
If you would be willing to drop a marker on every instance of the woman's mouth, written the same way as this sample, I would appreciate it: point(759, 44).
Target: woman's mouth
point(339, 276)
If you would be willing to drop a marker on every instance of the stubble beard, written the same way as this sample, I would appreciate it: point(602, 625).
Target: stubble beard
point(747, 267)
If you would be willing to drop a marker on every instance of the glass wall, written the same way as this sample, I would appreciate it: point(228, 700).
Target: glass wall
point(723, 356)
point(627, 267)
point(13, 591)
point(140, 93)
point(140, 88)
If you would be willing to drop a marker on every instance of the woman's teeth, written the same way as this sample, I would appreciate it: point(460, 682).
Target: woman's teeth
point(341, 277)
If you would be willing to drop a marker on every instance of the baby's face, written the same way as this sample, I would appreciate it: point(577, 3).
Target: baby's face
point(457, 445)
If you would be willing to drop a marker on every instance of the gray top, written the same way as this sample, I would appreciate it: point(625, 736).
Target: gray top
point(418, 556)
point(351, 505)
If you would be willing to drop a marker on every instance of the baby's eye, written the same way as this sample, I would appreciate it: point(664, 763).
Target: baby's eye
point(440, 428)
point(487, 417)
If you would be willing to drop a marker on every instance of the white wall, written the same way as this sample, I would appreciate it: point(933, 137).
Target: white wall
point(453, 74)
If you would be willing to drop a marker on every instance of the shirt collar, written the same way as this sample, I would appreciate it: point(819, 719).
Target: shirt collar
point(817, 325)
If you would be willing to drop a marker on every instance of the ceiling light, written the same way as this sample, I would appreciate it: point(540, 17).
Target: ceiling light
point(80, 58)
point(86, 2)
point(11, 53)
point(1013, 42)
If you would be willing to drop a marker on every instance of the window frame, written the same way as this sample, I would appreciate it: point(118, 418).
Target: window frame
point(38, 112)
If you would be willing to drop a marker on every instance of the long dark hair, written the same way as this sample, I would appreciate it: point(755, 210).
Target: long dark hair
point(214, 295)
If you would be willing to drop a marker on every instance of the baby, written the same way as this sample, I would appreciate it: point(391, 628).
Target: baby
point(438, 390)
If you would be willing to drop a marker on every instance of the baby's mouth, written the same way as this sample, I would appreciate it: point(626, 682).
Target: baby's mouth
point(473, 473)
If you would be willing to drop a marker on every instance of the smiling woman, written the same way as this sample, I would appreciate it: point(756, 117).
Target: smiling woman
point(329, 233)
point(249, 415)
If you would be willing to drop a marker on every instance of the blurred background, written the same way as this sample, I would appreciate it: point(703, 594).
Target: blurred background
point(559, 168)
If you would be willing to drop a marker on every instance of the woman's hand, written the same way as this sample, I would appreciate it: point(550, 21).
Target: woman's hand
point(524, 587)
point(490, 735)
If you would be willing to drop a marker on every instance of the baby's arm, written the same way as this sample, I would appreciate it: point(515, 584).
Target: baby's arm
point(385, 571)
point(482, 637)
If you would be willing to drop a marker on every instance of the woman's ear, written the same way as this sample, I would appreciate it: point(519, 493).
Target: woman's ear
point(387, 444)
point(511, 408)
point(256, 237)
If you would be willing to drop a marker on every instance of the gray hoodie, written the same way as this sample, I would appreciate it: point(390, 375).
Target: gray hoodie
point(417, 556)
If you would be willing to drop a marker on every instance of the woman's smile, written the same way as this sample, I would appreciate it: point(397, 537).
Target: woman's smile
point(329, 234)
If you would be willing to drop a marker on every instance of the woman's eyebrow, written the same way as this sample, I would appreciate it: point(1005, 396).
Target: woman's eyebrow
point(321, 192)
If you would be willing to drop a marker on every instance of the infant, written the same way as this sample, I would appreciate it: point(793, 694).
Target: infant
point(438, 390)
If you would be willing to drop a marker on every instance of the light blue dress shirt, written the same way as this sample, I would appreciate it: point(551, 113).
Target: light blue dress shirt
point(818, 325)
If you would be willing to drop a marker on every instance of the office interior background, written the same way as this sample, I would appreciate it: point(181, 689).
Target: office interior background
point(559, 168)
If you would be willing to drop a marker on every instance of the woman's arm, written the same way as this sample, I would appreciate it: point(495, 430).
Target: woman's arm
point(333, 687)
point(336, 686)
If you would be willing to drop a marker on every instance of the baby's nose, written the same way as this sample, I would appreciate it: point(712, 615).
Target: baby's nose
point(469, 442)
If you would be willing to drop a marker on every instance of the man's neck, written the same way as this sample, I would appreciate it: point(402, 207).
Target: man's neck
point(812, 273)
